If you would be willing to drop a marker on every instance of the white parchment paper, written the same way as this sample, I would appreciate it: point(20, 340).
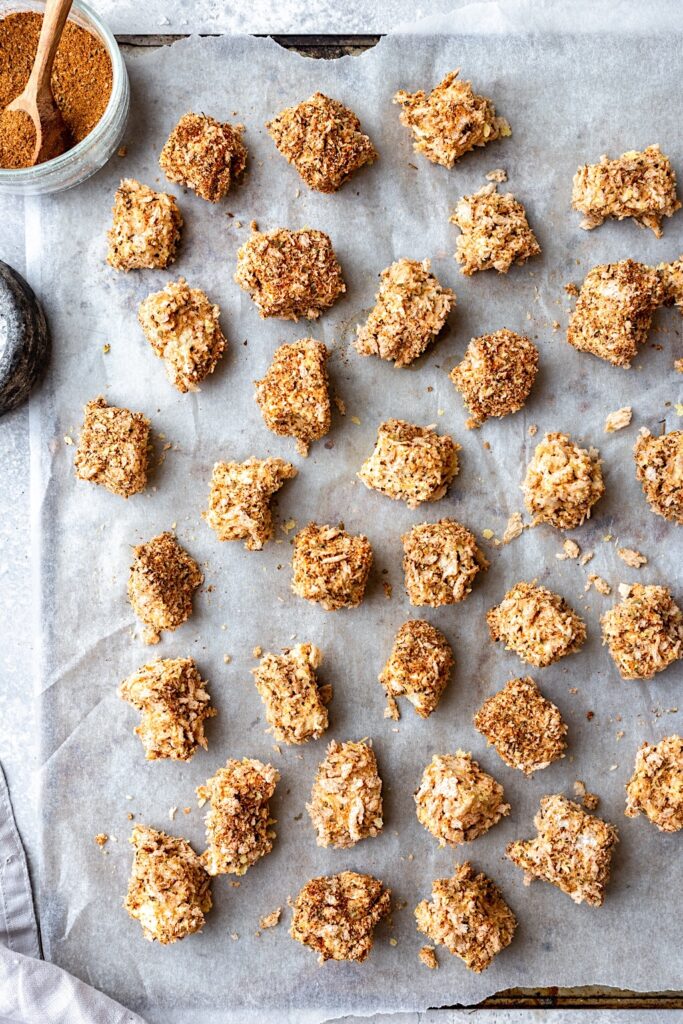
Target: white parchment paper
point(569, 98)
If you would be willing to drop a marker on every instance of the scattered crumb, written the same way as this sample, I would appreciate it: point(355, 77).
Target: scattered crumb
point(633, 559)
point(101, 838)
point(600, 585)
point(570, 549)
point(498, 175)
point(618, 419)
point(589, 800)
point(270, 920)
point(514, 528)
point(427, 955)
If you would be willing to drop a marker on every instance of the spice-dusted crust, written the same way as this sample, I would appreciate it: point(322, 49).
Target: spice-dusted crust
point(637, 184)
point(169, 891)
point(322, 139)
point(526, 730)
point(161, 585)
point(613, 312)
point(410, 463)
point(644, 633)
point(410, 310)
point(204, 155)
point(183, 328)
point(145, 230)
point(496, 374)
point(295, 702)
point(671, 275)
point(573, 850)
point(238, 822)
point(656, 786)
point(562, 482)
point(290, 274)
point(536, 624)
point(469, 916)
point(294, 394)
point(346, 799)
point(441, 562)
point(418, 668)
point(450, 120)
point(495, 232)
point(457, 801)
point(659, 467)
point(239, 499)
point(336, 915)
point(173, 700)
point(330, 566)
point(113, 449)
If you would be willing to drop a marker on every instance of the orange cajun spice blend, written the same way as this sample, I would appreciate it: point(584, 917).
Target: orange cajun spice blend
point(81, 82)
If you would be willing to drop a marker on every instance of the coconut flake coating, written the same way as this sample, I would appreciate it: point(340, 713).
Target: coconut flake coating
point(145, 230)
point(290, 274)
point(410, 463)
point(336, 915)
point(671, 276)
point(323, 139)
point(638, 184)
point(562, 482)
point(495, 232)
point(294, 395)
point(238, 822)
point(239, 499)
point(295, 702)
point(659, 467)
point(450, 120)
point(644, 632)
point(468, 915)
point(457, 801)
point(613, 312)
point(113, 448)
point(536, 624)
point(174, 704)
point(204, 155)
point(161, 585)
point(346, 799)
point(169, 891)
point(410, 310)
point(573, 850)
point(525, 728)
point(418, 668)
point(496, 374)
point(330, 566)
point(656, 786)
point(441, 562)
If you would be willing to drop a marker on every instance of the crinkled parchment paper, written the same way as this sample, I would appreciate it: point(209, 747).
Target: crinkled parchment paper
point(569, 97)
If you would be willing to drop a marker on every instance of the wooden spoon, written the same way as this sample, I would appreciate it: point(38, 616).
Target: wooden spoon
point(52, 135)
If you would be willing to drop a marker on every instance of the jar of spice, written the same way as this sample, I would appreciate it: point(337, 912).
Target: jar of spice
point(91, 87)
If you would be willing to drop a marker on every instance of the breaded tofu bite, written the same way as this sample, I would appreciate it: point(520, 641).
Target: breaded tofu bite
point(330, 566)
point(145, 231)
point(524, 727)
point(562, 483)
point(495, 232)
point(440, 562)
point(659, 467)
point(238, 823)
point(336, 915)
point(290, 274)
point(644, 632)
point(411, 308)
point(536, 624)
point(239, 499)
point(418, 668)
point(457, 801)
point(323, 139)
point(294, 700)
point(113, 448)
point(174, 703)
point(638, 184)
point(205, 155)
point(656, 786)
point(183, 328)
point(346, 799)
point(573, 850)
point(468, 915)
point(294, 395)
point(496, 375)
point(614, 310)
point(161, 585)
point(169, 891)
point(410, 463)
point(451, 120)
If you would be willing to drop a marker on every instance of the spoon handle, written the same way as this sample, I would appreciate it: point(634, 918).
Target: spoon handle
point(54, 19)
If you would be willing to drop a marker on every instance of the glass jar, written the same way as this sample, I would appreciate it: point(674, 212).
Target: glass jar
point(92, 152)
